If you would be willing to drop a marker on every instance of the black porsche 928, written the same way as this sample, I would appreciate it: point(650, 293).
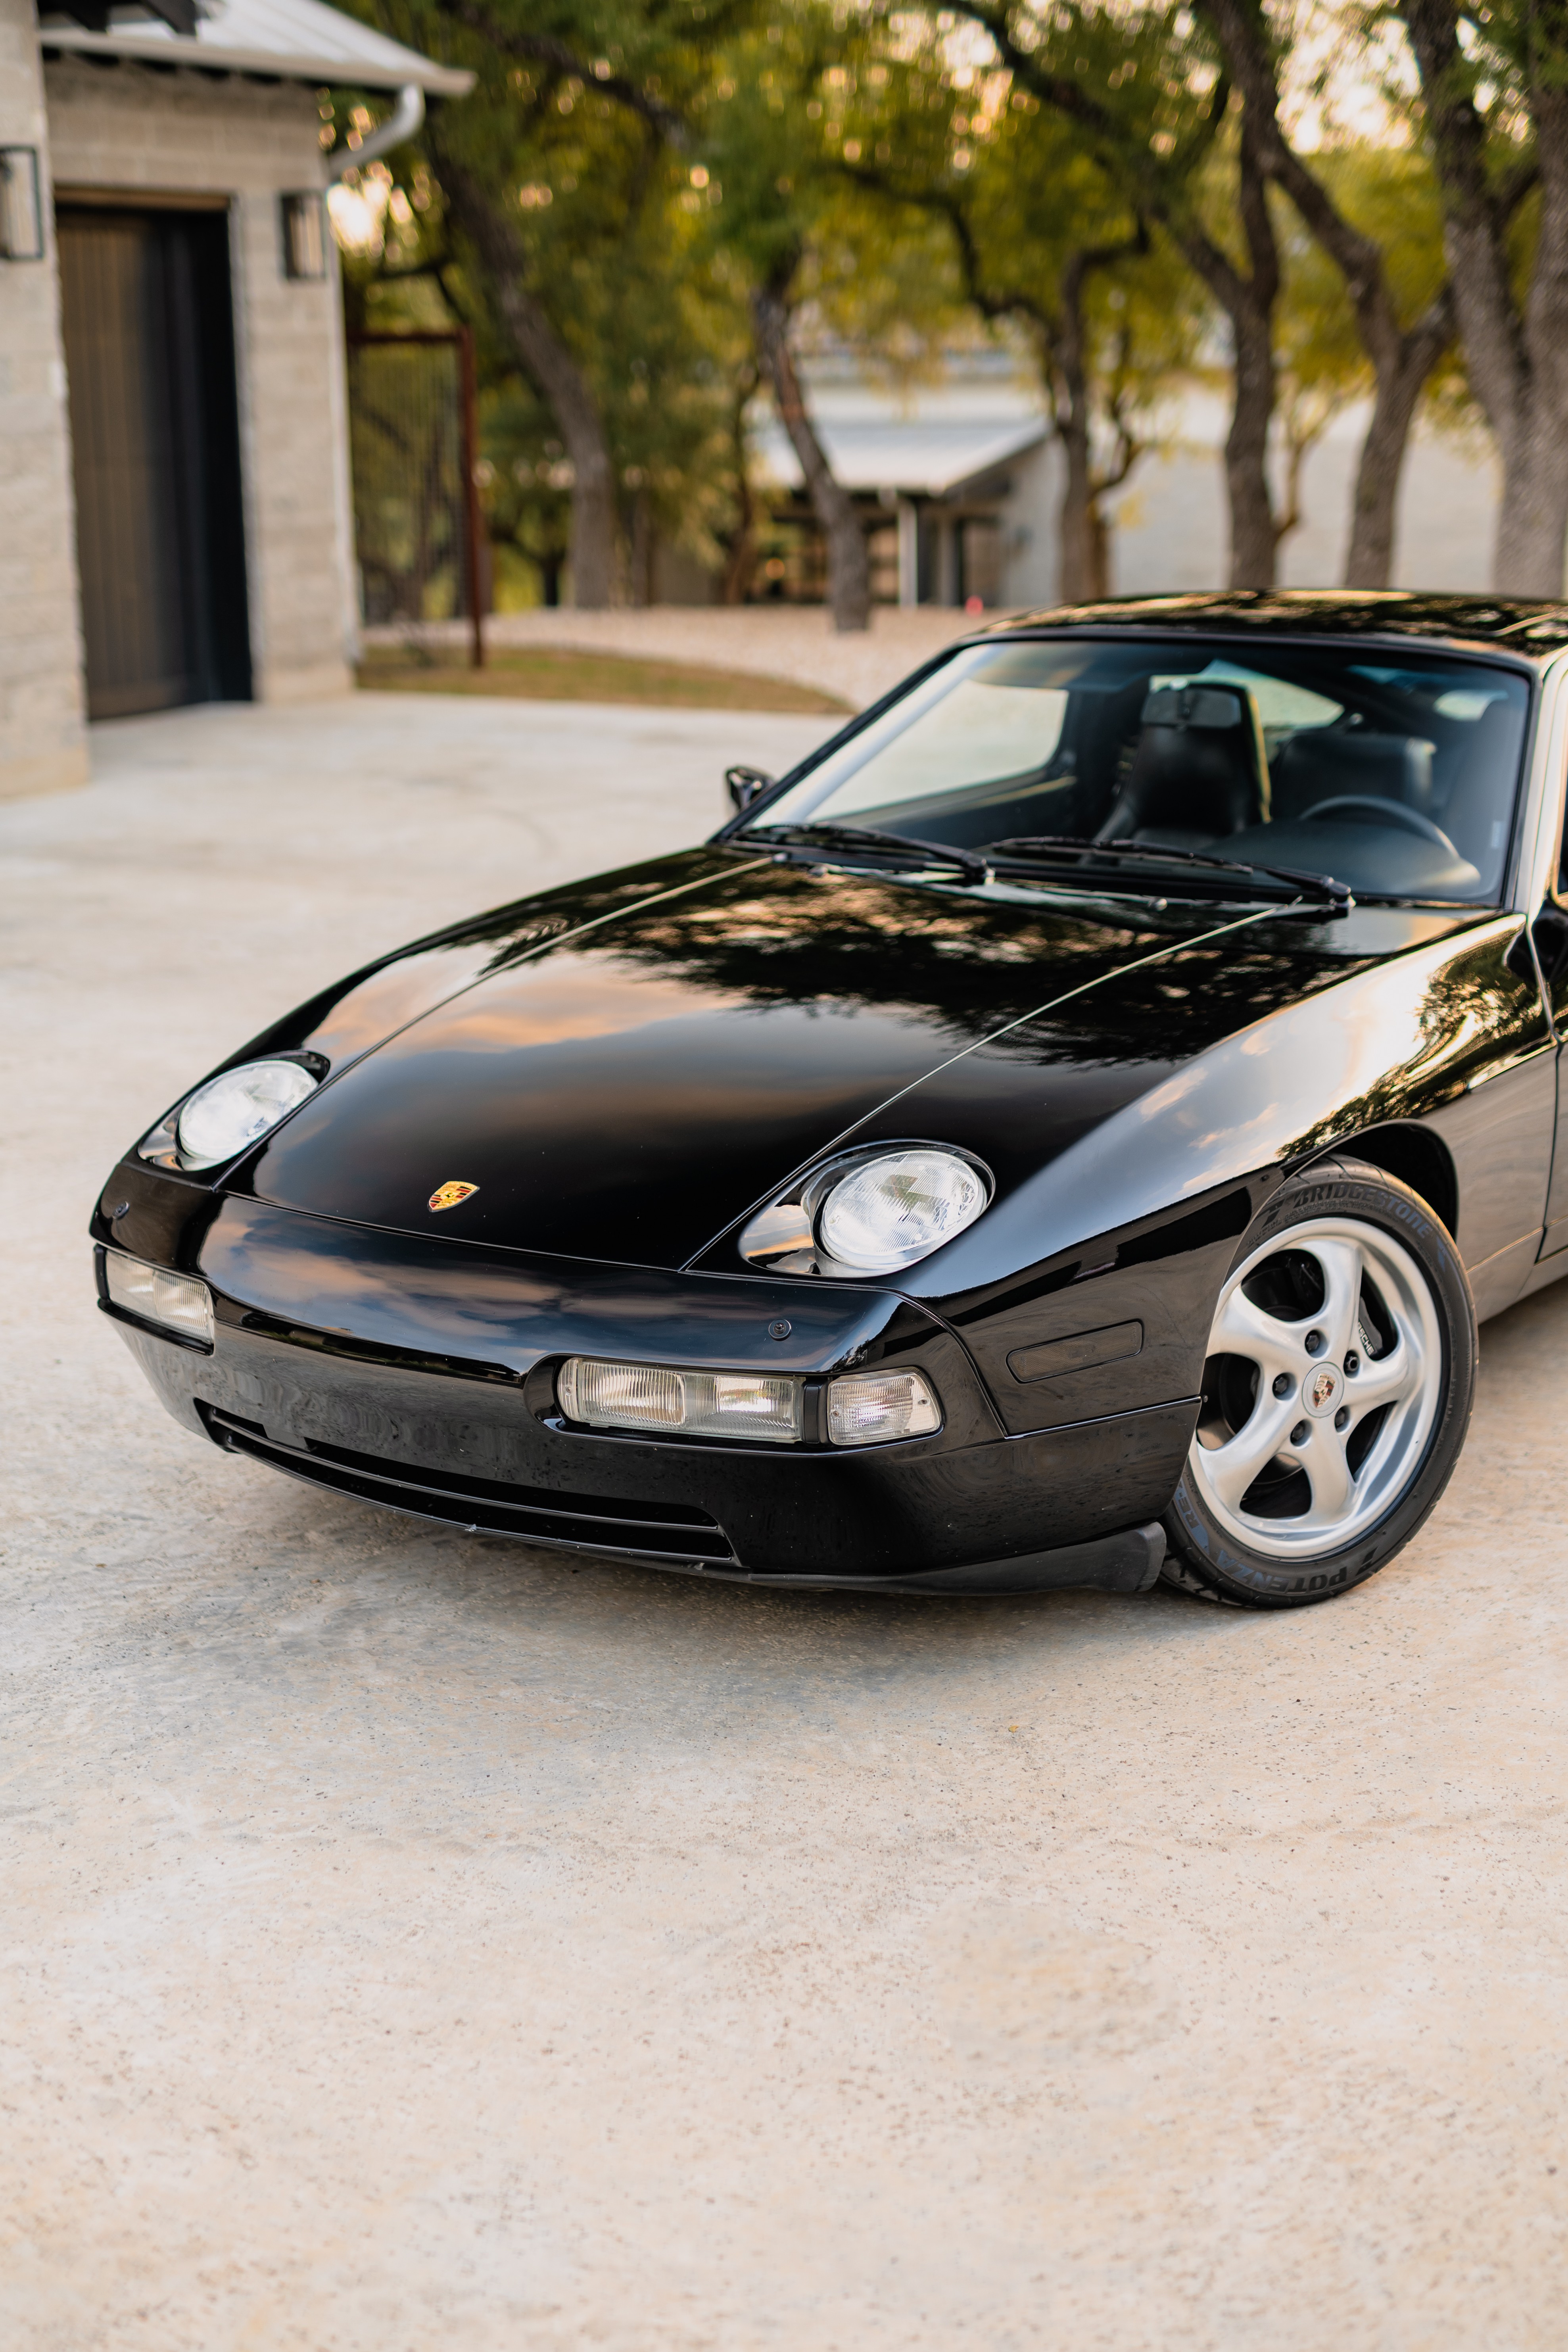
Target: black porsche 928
point(1065, 1132)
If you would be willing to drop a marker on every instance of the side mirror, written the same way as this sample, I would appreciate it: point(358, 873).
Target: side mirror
point(1550, 930)
point(746, 783)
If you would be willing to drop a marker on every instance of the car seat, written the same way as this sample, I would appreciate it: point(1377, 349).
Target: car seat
point(1475, 812)
point(1199, 771)
point(1321, 763)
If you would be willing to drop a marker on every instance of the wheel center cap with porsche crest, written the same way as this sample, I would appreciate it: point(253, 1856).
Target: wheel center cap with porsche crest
point(446, 1196)
point(1321, 1391)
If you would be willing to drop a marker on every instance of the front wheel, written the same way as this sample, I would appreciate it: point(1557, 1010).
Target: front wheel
point(1336, 1394)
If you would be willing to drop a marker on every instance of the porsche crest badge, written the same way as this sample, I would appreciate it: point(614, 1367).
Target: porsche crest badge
point(446, 1196)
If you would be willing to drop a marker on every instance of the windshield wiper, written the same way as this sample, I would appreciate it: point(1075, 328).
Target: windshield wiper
point(1030, 846)
point(906, 845)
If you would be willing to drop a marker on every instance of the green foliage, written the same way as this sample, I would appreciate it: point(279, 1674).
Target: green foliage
point(603, 204)
point(908, 178)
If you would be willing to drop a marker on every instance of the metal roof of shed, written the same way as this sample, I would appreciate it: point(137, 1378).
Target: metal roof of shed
point(297, 40)
point(919, 457)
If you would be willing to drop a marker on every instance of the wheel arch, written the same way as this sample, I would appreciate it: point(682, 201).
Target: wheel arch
point(1416, 1155)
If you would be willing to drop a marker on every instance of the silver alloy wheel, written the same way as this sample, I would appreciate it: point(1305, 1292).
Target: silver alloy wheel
point(1373, 1347)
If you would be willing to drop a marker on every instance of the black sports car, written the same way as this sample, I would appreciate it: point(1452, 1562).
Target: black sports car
point(1064, 1132)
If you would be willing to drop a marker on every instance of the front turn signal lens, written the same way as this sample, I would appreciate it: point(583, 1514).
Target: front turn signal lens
point(875, 1408)
point(757, 1406)
point(176, 1302)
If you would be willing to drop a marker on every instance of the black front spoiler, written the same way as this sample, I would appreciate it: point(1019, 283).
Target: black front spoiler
point(1129, 1562)
point(1126, 1562)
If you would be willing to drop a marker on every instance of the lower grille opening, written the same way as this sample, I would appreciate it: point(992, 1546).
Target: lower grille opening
point(535, 1515)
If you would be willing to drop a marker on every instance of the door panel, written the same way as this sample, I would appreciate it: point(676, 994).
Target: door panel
point(149, 346)
point(1550, 933)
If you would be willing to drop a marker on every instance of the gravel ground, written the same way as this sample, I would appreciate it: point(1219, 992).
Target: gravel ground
point(412, 1940)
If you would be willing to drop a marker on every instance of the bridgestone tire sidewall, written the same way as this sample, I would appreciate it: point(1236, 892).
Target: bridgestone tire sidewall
point(1209, 1557)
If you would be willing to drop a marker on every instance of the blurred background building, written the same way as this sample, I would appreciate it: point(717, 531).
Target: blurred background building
point(959, 476)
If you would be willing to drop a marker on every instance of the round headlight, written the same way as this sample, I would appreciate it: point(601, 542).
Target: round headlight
point(889, 1212)
point(229, 1114)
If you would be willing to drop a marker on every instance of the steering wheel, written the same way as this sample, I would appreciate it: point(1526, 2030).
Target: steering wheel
point(1387, 812)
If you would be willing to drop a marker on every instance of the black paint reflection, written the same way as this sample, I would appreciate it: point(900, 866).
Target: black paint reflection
point(627, 1089)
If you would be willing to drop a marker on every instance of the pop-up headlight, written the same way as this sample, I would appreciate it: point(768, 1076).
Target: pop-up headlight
point(876, 1210)
point(237, 1109)
point(896, 1210)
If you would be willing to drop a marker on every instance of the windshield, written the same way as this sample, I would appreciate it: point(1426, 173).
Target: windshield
point(1397, 776)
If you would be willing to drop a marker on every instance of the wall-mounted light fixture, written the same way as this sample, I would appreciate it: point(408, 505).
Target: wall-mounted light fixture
point(304, 234)
point(21, 211)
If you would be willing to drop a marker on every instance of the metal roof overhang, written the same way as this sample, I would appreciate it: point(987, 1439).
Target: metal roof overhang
point(288, 40)
point(912, 457)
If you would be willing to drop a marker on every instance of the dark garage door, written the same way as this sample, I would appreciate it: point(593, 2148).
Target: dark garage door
point(149, 339)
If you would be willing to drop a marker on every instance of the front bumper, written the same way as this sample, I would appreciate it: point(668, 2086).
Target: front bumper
point(420, 1374)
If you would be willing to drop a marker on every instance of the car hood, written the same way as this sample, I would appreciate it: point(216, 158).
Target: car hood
point(628, 1086)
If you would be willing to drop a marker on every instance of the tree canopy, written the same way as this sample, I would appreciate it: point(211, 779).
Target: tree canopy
point(648, 210)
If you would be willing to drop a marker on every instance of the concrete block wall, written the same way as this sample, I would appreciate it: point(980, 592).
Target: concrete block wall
point(133, 130)
point(43, 733)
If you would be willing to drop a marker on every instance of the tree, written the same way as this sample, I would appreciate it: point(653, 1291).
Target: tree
point(1403, 355)
point(1046, 240)
point(1146, 89)
point(761, 144)
point(1319, 363)
point(1494, 102)
point(547, 172)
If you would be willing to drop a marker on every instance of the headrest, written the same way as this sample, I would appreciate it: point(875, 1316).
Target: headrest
point(1192, 705)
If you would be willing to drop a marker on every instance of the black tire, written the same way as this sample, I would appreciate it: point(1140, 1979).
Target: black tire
point(1206, 1554)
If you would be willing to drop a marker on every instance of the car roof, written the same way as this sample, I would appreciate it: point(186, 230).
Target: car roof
point(1533, 631)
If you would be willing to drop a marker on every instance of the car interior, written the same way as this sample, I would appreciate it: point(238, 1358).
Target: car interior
point(1398, 777)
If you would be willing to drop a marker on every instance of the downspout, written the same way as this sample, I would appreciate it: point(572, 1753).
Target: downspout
point(402, 123)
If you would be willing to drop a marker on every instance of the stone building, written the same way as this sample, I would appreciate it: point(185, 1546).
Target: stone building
point(174, 510)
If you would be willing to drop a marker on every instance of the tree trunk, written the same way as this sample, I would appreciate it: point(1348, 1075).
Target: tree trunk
point(544, 358)
point(1401, 359)
point(1076, 569)
point(1076, 516)
point(741, 560)
point(1248, 303)
point(1531, 528)
point(1532, 521)
point(1516, 353)
point(1402, 374)
point(1253, 538)
point(1084, 534)
point(640, 564)
point(849, 568)
point(1098, 584)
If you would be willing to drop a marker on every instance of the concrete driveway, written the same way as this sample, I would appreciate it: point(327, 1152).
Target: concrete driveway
point(412, 1941)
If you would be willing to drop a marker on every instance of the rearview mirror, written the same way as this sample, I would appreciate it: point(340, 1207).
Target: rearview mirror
point(746, 783)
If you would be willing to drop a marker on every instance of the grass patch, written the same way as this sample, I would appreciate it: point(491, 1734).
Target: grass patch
point(563, 674)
